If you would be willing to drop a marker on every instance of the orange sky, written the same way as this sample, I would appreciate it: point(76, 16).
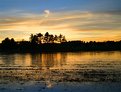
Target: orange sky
point(75, 23)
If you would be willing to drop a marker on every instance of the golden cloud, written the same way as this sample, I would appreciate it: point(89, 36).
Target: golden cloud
point(74, 24)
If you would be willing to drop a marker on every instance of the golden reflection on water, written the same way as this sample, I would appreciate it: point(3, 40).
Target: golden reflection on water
point(48, 60)
point(62, 60)
point(52, 68)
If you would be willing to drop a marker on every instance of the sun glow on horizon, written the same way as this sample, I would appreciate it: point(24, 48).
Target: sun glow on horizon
point(75, 24)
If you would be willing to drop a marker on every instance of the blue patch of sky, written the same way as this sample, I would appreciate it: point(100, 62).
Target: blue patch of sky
point(39, 5)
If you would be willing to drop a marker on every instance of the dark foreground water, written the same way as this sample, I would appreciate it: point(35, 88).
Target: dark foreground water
point(61, 72)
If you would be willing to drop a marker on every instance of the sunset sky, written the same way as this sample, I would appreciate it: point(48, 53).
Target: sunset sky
point(87, 20)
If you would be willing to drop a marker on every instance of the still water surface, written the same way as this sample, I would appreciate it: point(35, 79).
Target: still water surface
point(61, 72)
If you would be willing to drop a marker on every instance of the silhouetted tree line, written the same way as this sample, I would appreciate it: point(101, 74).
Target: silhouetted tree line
point(46, 38)
point(54, 43)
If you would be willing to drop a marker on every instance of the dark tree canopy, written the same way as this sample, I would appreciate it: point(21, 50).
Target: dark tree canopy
point(47, 38)
point(55, 43)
